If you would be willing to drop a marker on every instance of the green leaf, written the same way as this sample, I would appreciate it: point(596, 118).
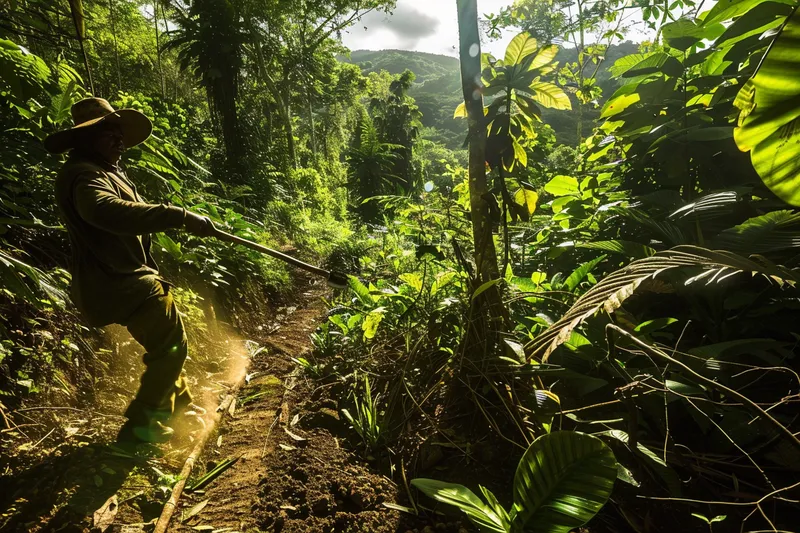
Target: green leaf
point(615, 288)
point(550, 95)
point(486, 286)
point(562, 481)
point(562, 186)
point(725, 10)
point(619, 104)
point(658, 62)
point(685, 33)
point(526, 198)
point(413, 280)
point(625, 63)
point(360, 289)
point(544, 56)
point(777, 230)
point(460, 496)
point(370, 324)
point(577, 276)
point(520, 47)
point(771, 132)
point(628, 248)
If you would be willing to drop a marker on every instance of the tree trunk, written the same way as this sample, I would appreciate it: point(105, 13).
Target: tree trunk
point(311, 126)
point(158, 50)
point(470, 57)
point(116, 46)
point(287, 119)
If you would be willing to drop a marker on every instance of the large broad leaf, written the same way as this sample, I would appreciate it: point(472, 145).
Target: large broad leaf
point(550, 95)
point(685, 33)
point(769, 127)
point(562, 481)
point(527, 199)
point(777, 230)
point(727, 9)
point(484, 516)
point(658, 62)
point(562, 186)
point(519, 48)
point(619, 104)
point(544, 57)
point(625, 63)
point(613, 290)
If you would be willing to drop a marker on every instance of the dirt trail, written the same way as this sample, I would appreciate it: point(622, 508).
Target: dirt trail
point(293, 472)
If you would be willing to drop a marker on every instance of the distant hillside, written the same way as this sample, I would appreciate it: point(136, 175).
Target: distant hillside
point(425, 66)
point(437, 89)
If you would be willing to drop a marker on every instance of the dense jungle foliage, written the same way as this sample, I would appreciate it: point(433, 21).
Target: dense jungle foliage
point(578, 260)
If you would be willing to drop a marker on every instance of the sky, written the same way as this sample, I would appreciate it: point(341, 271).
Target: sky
point(432, 26)
point(420, 25)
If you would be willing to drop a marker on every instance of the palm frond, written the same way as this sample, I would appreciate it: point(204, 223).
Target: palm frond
point(609, 294)
point(777, 230)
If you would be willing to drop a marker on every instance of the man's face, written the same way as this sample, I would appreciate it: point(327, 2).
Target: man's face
point(107, 142)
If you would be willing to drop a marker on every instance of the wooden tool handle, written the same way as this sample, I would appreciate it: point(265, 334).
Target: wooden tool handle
point(225, 236)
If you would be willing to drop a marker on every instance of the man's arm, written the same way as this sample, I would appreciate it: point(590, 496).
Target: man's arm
point(99, 205)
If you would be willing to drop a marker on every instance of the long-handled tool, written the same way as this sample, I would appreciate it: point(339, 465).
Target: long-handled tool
point(334, 279)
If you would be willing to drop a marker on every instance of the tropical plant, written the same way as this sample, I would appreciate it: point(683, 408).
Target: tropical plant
point(563, 480)
point(368, 419)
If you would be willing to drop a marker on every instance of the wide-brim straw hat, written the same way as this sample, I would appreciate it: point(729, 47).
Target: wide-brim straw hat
point(89, 112)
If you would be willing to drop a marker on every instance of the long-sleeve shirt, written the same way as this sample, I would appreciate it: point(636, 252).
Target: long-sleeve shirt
point(109, 226)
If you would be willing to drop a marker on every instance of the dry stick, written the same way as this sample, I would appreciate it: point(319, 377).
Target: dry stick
point(711, 383)
point(177, 490)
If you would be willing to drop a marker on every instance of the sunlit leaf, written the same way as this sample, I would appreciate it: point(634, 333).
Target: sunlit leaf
point(771, 132)
point(526, 198)
point(562, 481)
point(520, 46)
point(562, 186)
point(550, 95)
point(619, 104)
point(460, 496)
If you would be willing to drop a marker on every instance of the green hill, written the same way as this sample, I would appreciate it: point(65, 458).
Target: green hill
point(437, 89)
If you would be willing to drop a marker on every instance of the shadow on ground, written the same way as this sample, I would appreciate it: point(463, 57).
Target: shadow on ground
point(63, 493)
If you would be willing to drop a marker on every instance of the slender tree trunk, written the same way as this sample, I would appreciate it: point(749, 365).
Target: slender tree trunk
point(158, 50)
point(76, 7)
point(287, 119)
point(312, 126)
point(116, 46)
point(470, 56)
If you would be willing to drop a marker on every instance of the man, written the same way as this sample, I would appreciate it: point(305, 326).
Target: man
point(114, 277)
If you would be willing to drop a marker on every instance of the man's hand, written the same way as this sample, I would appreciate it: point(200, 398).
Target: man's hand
point(198, 224)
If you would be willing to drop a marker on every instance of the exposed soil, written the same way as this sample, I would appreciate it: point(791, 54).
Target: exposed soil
point(293, 474)
point(294, 471)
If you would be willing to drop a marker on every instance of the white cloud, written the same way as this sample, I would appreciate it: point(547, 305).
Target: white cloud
point(420, 25)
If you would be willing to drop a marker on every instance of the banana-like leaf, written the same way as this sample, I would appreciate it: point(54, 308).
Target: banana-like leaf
point(769, 126)
point(562, 481)
point(614, 289)
point(482, 515)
